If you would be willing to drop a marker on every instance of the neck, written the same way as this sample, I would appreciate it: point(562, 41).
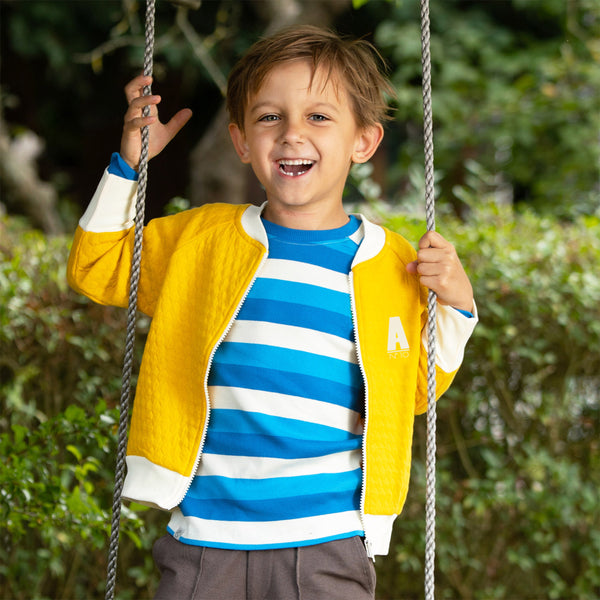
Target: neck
point(305, 218)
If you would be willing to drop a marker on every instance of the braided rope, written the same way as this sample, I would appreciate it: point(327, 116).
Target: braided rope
point(431, 305)
point(131, 318)
point(132, 310)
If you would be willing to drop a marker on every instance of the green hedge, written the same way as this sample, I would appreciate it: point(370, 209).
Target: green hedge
point(518, 474)
point(60, 370)
point(518, 431)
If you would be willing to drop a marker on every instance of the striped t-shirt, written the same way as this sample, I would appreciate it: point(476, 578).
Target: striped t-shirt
point(281, 461)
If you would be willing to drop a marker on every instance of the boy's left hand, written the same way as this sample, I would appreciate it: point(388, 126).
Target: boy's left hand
point(440, 270)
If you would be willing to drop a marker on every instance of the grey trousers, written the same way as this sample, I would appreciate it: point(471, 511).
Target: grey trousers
point(338, 570)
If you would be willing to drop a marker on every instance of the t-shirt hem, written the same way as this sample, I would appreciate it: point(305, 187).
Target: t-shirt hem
point(266, 546)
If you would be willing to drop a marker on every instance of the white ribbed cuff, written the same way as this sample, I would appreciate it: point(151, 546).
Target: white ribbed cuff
point(153, 485)
point(378, 532)
point(112, 207)
point(453, 330)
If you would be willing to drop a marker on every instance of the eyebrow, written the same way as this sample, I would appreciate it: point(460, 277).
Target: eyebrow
point(259, 106)
point(326, 106)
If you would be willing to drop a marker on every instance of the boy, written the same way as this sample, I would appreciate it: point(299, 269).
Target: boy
point(284, 365)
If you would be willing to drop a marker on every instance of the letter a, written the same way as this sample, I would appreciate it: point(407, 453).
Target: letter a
point(396, 336)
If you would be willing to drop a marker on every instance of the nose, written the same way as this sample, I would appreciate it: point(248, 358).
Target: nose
point(292, 131)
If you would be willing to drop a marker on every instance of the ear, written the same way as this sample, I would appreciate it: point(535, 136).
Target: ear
point(367, 142)
point(239, 142)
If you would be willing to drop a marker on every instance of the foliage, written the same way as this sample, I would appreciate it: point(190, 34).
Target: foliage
point(516, 105)
point(518, 470)
point(64, 65)
point(516, 87)
point(59, 382)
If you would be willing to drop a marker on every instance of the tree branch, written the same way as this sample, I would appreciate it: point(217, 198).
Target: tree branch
point(199, 48)
point(25, 191)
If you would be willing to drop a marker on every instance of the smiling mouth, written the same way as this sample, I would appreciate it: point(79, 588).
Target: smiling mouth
point(295, 167)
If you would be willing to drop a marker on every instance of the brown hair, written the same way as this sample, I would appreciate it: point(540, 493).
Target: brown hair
point(356, 62)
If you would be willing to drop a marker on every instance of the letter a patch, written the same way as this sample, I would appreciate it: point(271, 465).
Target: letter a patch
point(396, 337)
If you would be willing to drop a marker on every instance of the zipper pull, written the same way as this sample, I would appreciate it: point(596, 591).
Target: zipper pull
point(369, 549)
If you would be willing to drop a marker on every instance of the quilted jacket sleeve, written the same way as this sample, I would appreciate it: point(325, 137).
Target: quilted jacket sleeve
point(100, 259)
point(453, 330)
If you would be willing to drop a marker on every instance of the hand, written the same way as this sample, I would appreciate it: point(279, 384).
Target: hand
point(160, 134)
point(440, 270)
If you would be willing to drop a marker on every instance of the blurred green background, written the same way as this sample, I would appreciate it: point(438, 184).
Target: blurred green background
point(516, 94)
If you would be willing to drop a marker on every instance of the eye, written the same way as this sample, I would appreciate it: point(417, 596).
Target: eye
point(268, 118)
point(318, 118)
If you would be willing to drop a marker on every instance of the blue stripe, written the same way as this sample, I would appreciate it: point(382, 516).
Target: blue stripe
point(301, 293)
point(288, 361)
point(268, 446)
point(216, 487)
point(235, 422)
point(271, 380)
point(311, 236)
point(336, 257)
point(295, 544)
point(277, 509)
point(288, 313)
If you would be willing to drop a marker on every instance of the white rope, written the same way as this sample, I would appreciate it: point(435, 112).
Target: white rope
point(431, 305)
point(131, 320)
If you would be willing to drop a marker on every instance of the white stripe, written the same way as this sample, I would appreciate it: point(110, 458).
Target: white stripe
point(252, 467)
point(288, 407)
point(290, 270)
point(294, 338)
point(250, 533)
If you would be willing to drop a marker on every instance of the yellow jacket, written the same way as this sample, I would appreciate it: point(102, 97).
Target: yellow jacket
point(197, 267)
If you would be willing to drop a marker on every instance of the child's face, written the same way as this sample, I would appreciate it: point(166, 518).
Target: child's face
point(301, 140)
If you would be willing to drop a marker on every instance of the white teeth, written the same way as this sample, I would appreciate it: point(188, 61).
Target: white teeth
point(284, 163)
point(295, 162)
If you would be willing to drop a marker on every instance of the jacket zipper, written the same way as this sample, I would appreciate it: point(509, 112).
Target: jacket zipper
point(210, 360)
point(364, 436)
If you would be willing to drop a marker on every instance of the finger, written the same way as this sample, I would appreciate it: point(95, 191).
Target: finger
point(137, 105)
point(433, 269)
point(178, 121)
point(411, 267)
point(135, 87)
point(136, 111)
point(432, 255)
point(428, 282)
point(134, 125)
point(432, 239)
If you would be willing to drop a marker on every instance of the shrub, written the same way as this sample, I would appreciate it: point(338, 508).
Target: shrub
point(60, 369)
point(518, 430)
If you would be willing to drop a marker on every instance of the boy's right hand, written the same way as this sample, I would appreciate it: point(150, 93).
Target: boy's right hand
point(160, 133)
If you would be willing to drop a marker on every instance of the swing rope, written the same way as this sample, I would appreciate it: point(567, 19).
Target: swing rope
point(140, 208)
point(132, 310)
point(431, 305)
